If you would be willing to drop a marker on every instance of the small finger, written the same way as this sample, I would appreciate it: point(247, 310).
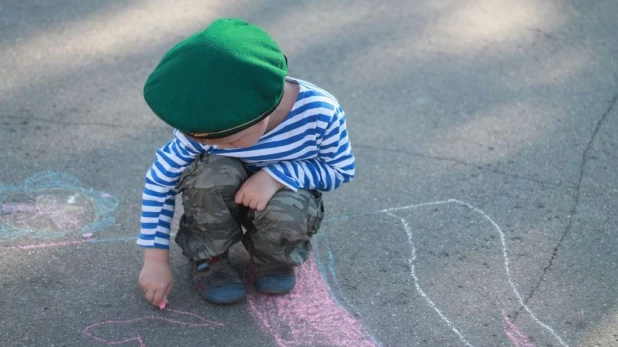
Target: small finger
point(238, 197)
point(253, 204)
point(158, 297)
point(168, 290)
point(260, 207)
point(150, 295)
point(246, 200)
point(143, 287)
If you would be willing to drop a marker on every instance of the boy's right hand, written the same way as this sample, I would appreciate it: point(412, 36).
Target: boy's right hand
point(156, 278)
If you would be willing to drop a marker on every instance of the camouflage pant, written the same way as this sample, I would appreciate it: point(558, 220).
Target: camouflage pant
point(211, 224)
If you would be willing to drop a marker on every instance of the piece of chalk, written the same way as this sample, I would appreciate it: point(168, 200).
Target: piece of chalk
point(162, 305)
point(87, 235)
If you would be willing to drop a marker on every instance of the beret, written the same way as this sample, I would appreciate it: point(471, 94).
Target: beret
point(219, 81)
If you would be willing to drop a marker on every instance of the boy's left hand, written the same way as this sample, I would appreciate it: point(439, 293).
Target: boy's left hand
point(257, 190)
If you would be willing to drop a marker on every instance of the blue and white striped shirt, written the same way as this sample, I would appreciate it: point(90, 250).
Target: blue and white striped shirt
point(310, 149)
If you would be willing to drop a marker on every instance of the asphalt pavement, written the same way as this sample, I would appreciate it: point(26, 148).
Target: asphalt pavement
point(484, 211)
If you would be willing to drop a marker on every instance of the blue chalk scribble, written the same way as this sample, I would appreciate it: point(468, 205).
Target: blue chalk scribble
point(327, 270)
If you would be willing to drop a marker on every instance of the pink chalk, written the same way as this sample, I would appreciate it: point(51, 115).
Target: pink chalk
point(87, 235)
point(518, 338)
point(45, 210)
point(308, 316)
point(48, 245)
point(91, 331)
point(162, 304)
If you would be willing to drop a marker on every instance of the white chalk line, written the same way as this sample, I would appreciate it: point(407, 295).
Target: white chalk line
point(412, 260)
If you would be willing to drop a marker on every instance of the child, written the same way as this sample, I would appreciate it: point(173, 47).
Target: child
point(252, 147)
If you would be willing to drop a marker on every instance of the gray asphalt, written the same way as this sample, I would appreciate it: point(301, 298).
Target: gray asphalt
point(483, 212)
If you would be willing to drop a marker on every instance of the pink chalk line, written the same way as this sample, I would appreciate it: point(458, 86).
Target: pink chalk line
point(61, 218)
point(47, 245)
point(20, 207)
point(139, 339)
point(515, 335)
point(307, 316)
point(89, 239)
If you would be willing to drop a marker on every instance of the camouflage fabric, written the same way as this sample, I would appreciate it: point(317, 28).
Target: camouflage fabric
point(278, 235)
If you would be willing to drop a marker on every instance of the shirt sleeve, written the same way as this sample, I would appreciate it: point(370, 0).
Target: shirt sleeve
point(334, 164)
point(159, 191)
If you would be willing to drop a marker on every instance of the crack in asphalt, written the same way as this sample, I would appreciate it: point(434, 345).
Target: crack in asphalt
point(575, 205)
point(457, 161)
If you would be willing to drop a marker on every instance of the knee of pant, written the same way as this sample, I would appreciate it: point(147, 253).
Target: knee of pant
point(214, 172)
point(281, 213)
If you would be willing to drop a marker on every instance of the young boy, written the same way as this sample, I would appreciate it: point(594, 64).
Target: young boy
point(251, 148)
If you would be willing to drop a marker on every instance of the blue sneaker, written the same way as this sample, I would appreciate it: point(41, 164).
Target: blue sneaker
point(216, 280)
point(274, 280)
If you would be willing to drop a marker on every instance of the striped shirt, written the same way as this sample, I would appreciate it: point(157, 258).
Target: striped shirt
point(310, 149)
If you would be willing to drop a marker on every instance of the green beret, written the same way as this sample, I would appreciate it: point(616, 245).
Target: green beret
point(219, 81)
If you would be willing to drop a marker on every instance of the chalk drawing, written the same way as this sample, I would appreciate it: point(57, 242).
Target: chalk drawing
point(90, 331)
point(308, 315)
point(412, 259)
point(327, 268)
point(70, 243)
point(50, 205)
point(311, 312)
point(515, 335)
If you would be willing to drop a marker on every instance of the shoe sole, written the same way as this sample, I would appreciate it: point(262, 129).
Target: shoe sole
point(224, 295)
point(275, 288)
point(275, 292)
point(226, 302)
